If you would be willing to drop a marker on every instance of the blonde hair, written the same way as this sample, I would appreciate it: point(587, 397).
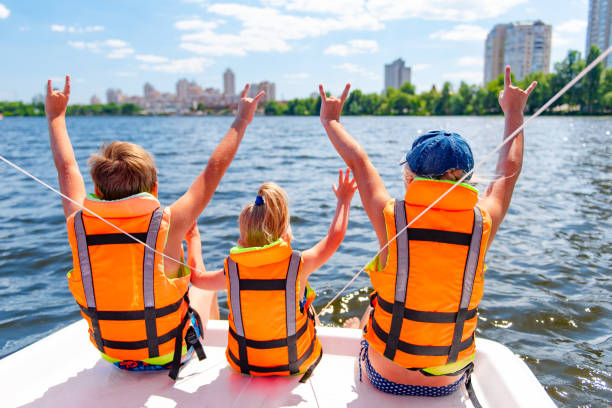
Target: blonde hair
point(262, 224)
point(122, 169)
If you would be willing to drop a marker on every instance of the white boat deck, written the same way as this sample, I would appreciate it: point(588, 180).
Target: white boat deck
point(65, 370)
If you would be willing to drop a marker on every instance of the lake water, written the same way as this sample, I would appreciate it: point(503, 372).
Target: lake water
point(548, 286)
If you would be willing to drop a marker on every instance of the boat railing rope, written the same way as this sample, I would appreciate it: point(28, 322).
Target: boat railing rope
point(507, 140)
point(480, 163)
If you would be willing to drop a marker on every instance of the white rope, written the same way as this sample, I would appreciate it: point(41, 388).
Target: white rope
point(506, 141)
point(94, 214)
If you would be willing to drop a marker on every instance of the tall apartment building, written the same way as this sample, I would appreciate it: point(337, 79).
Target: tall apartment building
point(525, 46)
point(599, 30)
point(268, 87)
point(396, 74)
point(229, 83)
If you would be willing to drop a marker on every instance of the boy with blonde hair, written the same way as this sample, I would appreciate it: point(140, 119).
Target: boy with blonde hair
point(137, 303)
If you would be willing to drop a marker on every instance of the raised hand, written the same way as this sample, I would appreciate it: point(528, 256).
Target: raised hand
point(513, 98)
point(331, 108)
point(56, 101)
point(248, 106)
point(346, 186)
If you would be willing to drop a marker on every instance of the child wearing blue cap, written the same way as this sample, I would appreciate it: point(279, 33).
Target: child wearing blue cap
point(428, 281)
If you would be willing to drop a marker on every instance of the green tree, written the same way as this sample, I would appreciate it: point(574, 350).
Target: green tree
point(274, 108)
point(407, 88)
point(129, 109)
point(565, 71)
point(591, 91)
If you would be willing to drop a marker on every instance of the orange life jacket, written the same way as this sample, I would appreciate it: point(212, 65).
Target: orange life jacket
point(268, 333)
point(427, 295)
point(133, 310)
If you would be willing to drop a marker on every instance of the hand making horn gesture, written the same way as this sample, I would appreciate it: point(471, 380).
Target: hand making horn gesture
point(56, 101)
point(513, 98)
point(248, 106)
point(331, 108)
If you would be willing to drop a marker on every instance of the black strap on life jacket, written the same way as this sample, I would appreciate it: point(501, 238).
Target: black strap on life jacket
point(470, 388)
point(398, 309)
point(239, 285)
point(149, 313)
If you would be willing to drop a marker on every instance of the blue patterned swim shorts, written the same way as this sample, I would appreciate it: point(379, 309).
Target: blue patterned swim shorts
point(390, 387)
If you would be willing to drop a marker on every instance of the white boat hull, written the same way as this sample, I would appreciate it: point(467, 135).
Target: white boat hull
point(65, 370)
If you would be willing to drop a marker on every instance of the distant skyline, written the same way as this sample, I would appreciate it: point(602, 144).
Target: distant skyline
point(294, 43)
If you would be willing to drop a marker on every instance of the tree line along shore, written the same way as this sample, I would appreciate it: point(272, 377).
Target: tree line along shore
point(591, 96)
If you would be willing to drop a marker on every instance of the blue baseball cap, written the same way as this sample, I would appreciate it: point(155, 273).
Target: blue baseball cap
point(438, 151)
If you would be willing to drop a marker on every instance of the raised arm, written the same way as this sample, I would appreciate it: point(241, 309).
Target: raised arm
point(200, 278)
point(69, 176)
point(372, 191)
point(316, 256)
point(496, 199)
point(187, 208)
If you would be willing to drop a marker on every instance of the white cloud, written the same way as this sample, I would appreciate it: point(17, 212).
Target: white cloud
point(197, 24)
point(262, 29)
point(385, 10)
point(356, 69)
point(572, 27)
point(72, 29)
point(470, 61)
point(4, 12)
point(215, 49)
point(352, 47)
point(82, 45)
point(420, 67)
point(299, 75)
point(467, 76)
point(320, 6)
point(119, 53)
point(449, 10)
point(194, 65)
point(114, 49)
point(461, 32)
point(151, 58)
point(116, 43)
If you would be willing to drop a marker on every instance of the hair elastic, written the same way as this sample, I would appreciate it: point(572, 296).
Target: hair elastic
point(259, 200)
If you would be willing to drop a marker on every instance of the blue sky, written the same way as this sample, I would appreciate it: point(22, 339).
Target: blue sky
point(294, 43)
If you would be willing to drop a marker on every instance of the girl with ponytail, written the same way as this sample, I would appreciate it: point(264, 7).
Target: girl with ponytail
point(271, 320)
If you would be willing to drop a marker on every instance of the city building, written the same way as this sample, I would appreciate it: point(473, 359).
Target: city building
point(268, 87)
point(186, 90)
point(599, 30)
point(229, 83)
point(150, 93)
point(95, 100)
point(525, 46)
point(396, 74)
point(115, 96)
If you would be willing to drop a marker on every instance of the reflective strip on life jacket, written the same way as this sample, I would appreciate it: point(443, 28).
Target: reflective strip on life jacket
point(288, 285)
point(398, 309)
point(149, 314)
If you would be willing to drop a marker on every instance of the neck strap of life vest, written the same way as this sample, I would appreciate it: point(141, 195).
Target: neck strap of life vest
point(398, 308)
point(287, 285)
point(149, 313)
